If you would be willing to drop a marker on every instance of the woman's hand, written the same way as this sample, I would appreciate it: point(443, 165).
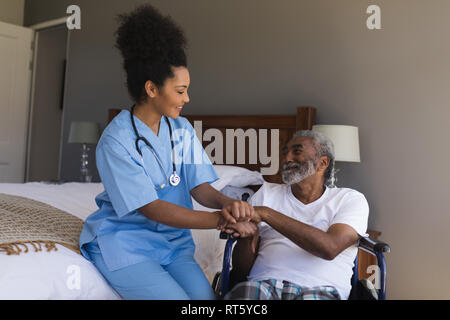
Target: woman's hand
point(243, 229)
point(236, 211)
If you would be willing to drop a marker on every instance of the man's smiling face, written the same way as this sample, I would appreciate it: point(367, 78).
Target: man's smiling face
point(300, 158)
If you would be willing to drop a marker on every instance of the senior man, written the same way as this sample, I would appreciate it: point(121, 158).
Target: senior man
point(306, 241)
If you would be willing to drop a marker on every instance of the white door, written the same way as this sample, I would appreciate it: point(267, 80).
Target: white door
point(15, 82)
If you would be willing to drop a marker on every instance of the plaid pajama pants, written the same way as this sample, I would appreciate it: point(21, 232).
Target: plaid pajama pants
point(273, 289)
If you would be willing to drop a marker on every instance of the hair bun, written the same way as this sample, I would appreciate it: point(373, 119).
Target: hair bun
point(145, 34)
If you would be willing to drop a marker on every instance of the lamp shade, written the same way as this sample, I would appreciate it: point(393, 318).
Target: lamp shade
point(84, 132)
point(345, 140)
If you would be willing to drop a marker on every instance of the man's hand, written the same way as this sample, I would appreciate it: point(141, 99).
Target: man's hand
point(235, 211)
point(259, 214)
point(241, 229)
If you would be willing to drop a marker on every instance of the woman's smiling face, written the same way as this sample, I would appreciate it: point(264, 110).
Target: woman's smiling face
point(170, 99)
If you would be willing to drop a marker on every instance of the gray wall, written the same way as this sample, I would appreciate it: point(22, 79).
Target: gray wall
point(12, 11)
point(263, 57)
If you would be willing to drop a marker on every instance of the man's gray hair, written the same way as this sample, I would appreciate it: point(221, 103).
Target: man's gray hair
point(324, 147)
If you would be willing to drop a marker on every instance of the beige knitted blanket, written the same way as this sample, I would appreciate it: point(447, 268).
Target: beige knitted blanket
point(28, 223)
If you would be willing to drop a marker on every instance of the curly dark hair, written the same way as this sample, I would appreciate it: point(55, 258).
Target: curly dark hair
point(151, 44)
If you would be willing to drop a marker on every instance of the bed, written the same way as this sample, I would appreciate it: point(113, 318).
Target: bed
point(63, 274)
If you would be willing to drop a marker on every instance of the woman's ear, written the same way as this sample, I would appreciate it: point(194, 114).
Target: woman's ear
point(151, 89)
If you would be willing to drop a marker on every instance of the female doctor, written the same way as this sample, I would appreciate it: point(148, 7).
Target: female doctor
point(148, 161)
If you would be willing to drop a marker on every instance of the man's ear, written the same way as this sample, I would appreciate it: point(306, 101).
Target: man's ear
point(323, 163)
point(151, 89)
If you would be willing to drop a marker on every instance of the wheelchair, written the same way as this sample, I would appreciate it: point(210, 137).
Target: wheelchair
point(362, 289)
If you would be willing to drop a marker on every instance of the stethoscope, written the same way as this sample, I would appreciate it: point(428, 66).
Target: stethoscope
point(174, 178)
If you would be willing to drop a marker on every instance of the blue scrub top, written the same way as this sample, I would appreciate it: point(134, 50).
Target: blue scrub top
point(124, 236)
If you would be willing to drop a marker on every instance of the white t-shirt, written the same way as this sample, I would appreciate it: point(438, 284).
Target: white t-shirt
point(279, 258)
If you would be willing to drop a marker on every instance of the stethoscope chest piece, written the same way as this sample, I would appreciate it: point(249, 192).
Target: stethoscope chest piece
point(174, 179)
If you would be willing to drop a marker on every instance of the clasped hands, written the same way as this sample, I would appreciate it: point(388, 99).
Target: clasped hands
point(239, 219)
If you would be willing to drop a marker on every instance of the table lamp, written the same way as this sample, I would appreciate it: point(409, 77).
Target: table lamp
point(346, 144)
point(85, 133)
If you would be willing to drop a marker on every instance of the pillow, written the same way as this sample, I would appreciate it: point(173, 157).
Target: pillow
point(238, 193)
point(236, 177)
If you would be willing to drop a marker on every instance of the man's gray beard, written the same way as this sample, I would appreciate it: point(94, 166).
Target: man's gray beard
point(293, 173)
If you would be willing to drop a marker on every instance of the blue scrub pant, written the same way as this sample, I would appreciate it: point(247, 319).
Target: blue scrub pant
point(183, 279)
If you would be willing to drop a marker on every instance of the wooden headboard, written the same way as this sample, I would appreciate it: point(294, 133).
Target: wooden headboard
point(303, 119)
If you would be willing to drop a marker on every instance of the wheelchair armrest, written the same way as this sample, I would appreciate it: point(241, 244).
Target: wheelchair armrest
point(373, 245)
